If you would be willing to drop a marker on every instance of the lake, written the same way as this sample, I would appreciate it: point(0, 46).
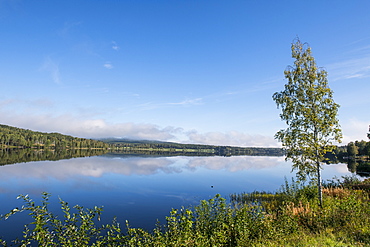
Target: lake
point(139, 189)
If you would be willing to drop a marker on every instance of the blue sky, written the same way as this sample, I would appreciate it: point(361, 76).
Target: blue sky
point(185, 71)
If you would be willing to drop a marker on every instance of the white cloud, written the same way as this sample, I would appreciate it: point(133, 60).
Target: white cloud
point(354, 130)
point(29, 105)
point(152, 105)
point(232, 138)
point(88, 126)
point(35, 115)
point(115, 46)
point(186, 102)
point(67, 27)
point(355, 68)
point(100, 128)
point(53, 68)
point(358, 66)
point(7, 102)
point(108, 65)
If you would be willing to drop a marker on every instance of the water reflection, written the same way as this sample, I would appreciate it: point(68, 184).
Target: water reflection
point(142, 190)
point(125, 164)
point(98, 166)
point(235, 163)
point(91, 167)
point(12, 156)
point(152, 175)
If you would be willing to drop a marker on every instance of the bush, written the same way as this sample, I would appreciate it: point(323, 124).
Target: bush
point(290, 217)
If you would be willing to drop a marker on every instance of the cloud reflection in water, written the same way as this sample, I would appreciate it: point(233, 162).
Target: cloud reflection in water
point(99, 166)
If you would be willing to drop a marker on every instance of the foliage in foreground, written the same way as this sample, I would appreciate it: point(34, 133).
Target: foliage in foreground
point(290, 217)
point(308, 108)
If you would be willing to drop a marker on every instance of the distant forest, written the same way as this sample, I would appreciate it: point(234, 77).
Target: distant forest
point(17, 138)
point(358, 150)
point(12, 137)
point(171, 148)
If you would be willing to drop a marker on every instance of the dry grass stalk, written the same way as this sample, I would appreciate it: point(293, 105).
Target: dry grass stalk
point(299, 209)
point(336, 192)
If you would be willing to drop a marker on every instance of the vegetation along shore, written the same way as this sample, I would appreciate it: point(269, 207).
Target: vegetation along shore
point(289, 217)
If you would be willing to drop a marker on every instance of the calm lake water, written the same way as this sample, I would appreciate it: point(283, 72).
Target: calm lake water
point(139, 189)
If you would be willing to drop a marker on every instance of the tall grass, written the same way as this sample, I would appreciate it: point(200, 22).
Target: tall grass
point(289, 217)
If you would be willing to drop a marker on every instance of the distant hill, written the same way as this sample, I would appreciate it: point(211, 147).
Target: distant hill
point(18, 138)
point(156, 147)
point(127, 140)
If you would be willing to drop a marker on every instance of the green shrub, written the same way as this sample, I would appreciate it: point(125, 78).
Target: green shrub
point(289, 217)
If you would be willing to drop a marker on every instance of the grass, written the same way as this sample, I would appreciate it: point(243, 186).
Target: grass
point(289, 217)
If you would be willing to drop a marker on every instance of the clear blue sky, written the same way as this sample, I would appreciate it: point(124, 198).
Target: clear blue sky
point(186, 71)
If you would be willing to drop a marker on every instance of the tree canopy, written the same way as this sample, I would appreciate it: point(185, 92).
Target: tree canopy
point(308, 108)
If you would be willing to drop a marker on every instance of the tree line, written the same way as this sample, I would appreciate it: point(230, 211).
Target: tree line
point(357, 150)
point(170, 148)
point(17, 138)
point(356, 155)
point(13, 137)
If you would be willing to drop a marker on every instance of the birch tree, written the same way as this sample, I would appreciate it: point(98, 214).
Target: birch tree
point(308, 109)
